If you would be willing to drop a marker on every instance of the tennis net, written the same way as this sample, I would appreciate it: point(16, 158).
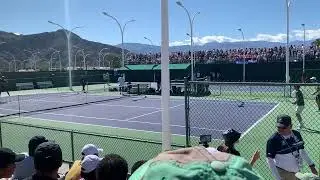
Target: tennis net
point(26, 104)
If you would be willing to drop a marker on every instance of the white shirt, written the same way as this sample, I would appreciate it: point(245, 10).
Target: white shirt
point(25, 168)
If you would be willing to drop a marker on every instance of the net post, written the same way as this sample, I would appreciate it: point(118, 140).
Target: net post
point(186, 101)
point(138, 89)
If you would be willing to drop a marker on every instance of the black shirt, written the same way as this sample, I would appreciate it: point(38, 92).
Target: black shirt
point(277, 144)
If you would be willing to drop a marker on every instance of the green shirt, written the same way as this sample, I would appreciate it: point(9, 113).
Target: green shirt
point(300, 99)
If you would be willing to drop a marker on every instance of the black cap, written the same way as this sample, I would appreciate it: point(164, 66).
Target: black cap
point(231, 136)
point(47, 157)
point(284, 121)
point(7, 157)
point(35, 142)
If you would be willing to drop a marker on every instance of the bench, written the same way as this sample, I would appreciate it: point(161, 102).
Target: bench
point(24, 86)
point(45, 84)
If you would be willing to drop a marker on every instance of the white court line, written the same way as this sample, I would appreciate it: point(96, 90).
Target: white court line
point(100, 104)
point(152, 112)
point(95, 125)
point(256, 123)
point(121, 120)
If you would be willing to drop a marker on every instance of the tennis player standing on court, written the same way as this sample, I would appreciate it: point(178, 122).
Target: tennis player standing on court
point(121, 82)
point(317, 93)
point(300, 105)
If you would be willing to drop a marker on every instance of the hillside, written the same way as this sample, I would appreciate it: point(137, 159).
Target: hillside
point(19, 45)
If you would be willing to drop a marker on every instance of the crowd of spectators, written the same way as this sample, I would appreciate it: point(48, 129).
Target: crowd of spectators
point(230, 55)
point(44, 159)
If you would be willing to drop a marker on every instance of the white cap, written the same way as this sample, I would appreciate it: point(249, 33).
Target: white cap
point(90, 149)
point(89, 163)
point(313, 78)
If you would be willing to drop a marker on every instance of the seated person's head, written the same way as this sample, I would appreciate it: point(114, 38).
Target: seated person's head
point(48, 157)
point(34, 143)
point(90, 149)
point(112, 167)
point(88, 167)
point(136, 165)
point(231, 137)
point(7, 162)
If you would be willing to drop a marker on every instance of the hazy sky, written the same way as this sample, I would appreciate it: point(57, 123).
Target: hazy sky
point(218, 19)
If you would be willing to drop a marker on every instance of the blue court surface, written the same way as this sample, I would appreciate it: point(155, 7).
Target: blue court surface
point(143, 113)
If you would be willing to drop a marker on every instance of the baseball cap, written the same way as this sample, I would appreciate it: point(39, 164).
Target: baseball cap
point(195, 163)
point(313, 78)
point(231, 135)
point(48, 156)
point(283, 121)
point(89, 163)
point(35, 142)
point(7, 157)
point(307, 176)
point(90, 149)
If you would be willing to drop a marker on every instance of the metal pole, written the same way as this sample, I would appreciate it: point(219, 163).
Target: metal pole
point(287, 45)
point(304, 44)
point(186, 98)
point(165, 77)
point(243, 60)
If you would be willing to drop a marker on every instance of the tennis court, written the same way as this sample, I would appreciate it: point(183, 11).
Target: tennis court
point(136, 113)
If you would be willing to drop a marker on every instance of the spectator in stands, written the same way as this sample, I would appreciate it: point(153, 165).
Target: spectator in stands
point(112, 167)
point(26, 168)
point(136, 165)
point(75, 171)
point(285, 151)
point(195, 163)
point(231, 138)
point(88, 167)
point(7, 162)
point(47, 161)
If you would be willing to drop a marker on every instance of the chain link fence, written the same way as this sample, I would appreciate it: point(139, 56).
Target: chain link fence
point(250, 108)
point(16, 135)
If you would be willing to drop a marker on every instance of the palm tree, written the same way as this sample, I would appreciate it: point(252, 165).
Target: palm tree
point(316, 43)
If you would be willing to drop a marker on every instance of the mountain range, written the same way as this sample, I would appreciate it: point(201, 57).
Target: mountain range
point(39, 48)
point(145, 48)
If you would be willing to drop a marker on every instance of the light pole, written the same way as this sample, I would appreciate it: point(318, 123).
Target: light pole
point(34, 57)
point(303, 48)
point(122, 28)
point(100, 55)
point(165, 77)
point(56, 51)
point(75, 57)
point(68, 35)
point(191, 21)
point(149, 40)
point(14, 60)
point(85, 62)
point(244, 60)
point(288, 3)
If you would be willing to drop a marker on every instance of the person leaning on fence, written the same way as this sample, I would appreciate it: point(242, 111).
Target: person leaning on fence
point(75, 171)
point(26, 168)
point(317, 92)
point(7, 162)
point(47, 161)
point(231, 138)
point(112, 167)
point(88, 167)
point(300, 105)
point(285, 151)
